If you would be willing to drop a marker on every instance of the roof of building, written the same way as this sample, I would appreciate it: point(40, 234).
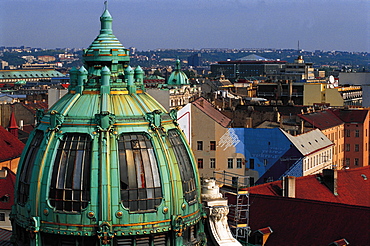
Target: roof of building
point(5, 237)
point(322, 119)
point(309, 142)
point(351, 115)
point(207, 108)
point(7, 184)
point(32, 106)
point(254, 57)
point(178, 77)
point(303, 222)
point(10, 146)
point(352, 187)
point(29, 73)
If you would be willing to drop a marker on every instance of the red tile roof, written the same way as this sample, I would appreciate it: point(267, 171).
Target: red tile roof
point(322, 119)
point(33, 106)
point(351, 115)
point(5, 237)
point(212, 112)
point(7, 190)
point(353, 188)
point(10, 146)
point(302, 222)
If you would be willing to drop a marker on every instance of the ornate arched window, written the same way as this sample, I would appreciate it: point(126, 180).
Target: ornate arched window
point(27, 167)
point(185, 165)
point(139, 175)
point(70, 182)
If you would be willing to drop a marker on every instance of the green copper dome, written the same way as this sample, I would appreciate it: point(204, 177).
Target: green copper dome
point(107, 165)
point(178, 77)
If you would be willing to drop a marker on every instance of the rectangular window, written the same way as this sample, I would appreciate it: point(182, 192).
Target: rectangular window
point(199, 145)
point(348, 133)
point(251, 163)
point(200, 163)
point(239, 162)
point(348, 147)
point(357, 148)
point(348, 160)
point(265, 162)
point(357, 133)
point(356, 161)
point(212, 145)
point(2, 216)
point(230, 163)
point(251, 181)
point(212, 163)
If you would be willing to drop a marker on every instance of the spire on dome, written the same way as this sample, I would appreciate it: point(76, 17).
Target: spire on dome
point(106, 48)
point(178, 65)
point(106, 21)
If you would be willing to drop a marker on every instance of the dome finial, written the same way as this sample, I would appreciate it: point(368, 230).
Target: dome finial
point(105, 5)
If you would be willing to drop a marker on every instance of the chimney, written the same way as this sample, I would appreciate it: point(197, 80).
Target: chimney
point(330, 180)
point(21, 124)
point(289, 186)
point(3, 173)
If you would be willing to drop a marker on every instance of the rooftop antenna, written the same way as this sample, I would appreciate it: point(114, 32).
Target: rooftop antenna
point(298, 48)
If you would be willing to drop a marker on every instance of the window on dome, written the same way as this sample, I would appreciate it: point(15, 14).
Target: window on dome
point(70, 182)
point(27, 167)
point(185, 165)
point(139, 175)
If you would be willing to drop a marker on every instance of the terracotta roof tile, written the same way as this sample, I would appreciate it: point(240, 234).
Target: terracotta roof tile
point(351, 115)
point(7, 190)
point(353, 188)
point(302, 222)
point(322, 119)
point(33, 106)
point(10, 146)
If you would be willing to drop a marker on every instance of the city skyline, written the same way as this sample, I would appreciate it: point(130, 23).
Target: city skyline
point(192, 24)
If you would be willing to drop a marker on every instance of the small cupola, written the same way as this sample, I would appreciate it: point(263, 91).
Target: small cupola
point(178, 77)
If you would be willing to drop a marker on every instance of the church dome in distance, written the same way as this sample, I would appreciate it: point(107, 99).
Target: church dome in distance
point(178, 77)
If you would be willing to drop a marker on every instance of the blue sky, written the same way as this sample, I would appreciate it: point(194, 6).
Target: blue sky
point(150, 24)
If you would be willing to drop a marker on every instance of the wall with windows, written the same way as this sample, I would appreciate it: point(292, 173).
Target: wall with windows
point(356, 144)
point(210, 153)
point(317, 161)
point(336, 135)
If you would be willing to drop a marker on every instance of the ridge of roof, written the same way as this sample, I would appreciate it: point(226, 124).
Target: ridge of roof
point(351, 115)
point(207, 108)
point(322, 119)
point(309, 142)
